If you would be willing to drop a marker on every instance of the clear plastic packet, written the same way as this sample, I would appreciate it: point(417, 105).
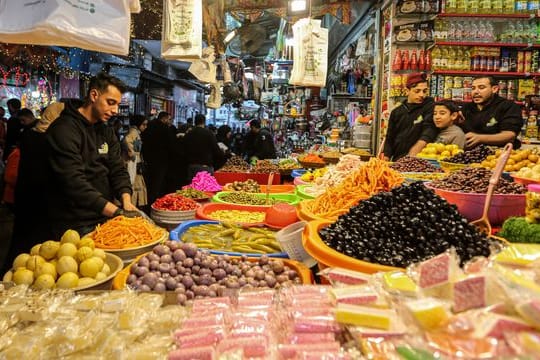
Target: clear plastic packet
point(344, 277)
point(365, 316)
point(428, 313)
point(315, 325)
point(309, 338)
point(398, 283)
point(301, 312)
point(199, 353)
point(321, 355)
point(253, 346)
point(358, 295)
point(242, 327)
point(524, 343)
point(436, 275)
point(290, 351)
point(463, 346)
point(194, 322)
point(202, 305)
point(200, 338)
point(166, 319)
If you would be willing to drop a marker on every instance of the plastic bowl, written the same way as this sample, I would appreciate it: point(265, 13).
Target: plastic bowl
point(204, 211)
point(524, 181)
point(280, 216)
point(451, 167)
point(471, 205)
point(328, 257)
point(287, 198)
point(176, 235)
point(301, 192)
point(120, 280)
point(299, 181)
point(298, 172)
point(278, 189)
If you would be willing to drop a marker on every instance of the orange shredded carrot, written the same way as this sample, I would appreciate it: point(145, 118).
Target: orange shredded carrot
point(373, 177)
point(122, 232)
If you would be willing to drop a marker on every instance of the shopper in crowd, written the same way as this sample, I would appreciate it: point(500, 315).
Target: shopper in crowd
point(410, 126)
point(157, 151)
point(224, 139)
point(445, 115)
point(88, 173)
point(490, 119)
point(14, 126)
point(3, 128)
point(131, 149)
point(263, 145)
point(202, 150)
point(248, 142)
point(238, 141)
point(31, 188)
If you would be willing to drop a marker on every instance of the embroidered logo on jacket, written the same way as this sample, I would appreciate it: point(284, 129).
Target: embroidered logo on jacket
point(103, 149)
point(418, 120)
point(491, 122)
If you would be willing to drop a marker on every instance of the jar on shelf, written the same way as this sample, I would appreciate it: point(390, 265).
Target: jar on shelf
point(532, 209)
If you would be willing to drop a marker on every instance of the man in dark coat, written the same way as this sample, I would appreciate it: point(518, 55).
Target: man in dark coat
point(411, 126)
point(158, 150)
point(14, 127)
point(88, 173)
point(263, 143)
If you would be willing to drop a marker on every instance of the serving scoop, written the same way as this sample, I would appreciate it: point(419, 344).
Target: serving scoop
point(483, 223)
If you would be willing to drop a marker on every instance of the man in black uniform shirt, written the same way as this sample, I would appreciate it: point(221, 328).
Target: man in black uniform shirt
point(490, 119)
point(411, 127)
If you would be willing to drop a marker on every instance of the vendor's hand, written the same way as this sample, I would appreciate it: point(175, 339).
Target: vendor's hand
point(132, 213)
point(460, 119)
point(472, 139)
point(128, 206)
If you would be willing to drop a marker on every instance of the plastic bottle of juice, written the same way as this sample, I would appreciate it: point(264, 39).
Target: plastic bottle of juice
point(436, 58)
point(497, 6)
point(473, 6)
point(509, 6)
point(490, 32)
point(467, 59)
point(444, 59)
point(484, 7)
point(450, 6)
point(461, 6)
point(521, 6)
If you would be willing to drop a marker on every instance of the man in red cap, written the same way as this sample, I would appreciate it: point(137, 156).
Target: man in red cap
point(411, 126)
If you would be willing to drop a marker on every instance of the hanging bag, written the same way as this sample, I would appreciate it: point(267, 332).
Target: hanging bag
point(181, 37)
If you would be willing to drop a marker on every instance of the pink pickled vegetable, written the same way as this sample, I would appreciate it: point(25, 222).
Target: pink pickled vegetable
point(203, 181)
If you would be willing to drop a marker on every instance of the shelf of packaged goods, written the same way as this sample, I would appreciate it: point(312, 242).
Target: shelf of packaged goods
point(487, 73)
point(476, 15)
point(487, 44)
point(521, 103)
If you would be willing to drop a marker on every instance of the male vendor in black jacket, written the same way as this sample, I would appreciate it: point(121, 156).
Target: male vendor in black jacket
point(411, 127)
point(88, 173)
point(490, 119)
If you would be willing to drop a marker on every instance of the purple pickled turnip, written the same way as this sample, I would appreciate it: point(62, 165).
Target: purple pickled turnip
point(141, 271)
point(143, 261)
point(154, 265)
point(167, 258)
point(150, 279)
point(160, 287)
point(170, 283)
point(179, 255)
point(190, 249)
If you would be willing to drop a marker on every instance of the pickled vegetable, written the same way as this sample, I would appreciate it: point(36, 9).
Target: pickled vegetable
point(229, 237)
point(238, 216)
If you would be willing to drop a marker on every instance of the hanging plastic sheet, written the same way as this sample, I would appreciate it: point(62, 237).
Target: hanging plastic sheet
point(310, 53)
point(182, 29)
point(100, 25)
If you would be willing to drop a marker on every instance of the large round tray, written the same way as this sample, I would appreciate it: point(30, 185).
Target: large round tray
point(115, 264)
point(119, 281)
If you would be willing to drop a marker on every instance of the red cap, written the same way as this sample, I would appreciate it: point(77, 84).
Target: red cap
point(415, 78)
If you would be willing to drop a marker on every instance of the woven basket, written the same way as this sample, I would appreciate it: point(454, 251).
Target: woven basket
point(168, 216)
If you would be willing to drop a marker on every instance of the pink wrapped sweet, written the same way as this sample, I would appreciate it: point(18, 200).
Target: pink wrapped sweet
point(198, 322)
point(252, 302)
point(290, 351)
point(470, 293)
point(252, 346)
point(201, 331)
point(198, 353)
point(437, 271)
point(496, 326)
point(200, 339)
point(202, 305)
point(315, 325)
point(297, 312)
point(309, 338)
point(250, 327)
point(348, 277)
point(321, 355)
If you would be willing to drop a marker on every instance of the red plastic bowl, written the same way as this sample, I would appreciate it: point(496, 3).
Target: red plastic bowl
point(204, 211)
point(471, 205)
point(280, 215)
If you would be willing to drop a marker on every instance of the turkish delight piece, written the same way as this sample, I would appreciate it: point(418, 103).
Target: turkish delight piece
point(429, 313)
point(470, 293)
point(365, 316)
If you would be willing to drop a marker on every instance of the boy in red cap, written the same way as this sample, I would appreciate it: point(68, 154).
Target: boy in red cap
point(411, 126)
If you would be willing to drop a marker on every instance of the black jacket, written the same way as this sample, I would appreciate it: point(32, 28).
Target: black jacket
point(13, 134)
point(87, 169)
point(157, 145)
point(202, 148)
point(264, 145)
point(499, 115)
point(409, 123)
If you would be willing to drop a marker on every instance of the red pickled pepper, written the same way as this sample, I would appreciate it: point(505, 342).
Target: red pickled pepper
point(174, 202)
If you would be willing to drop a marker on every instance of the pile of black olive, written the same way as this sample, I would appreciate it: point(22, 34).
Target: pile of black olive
point(414, 164)
point(476, 180)
point(406, 225)
point(475, 155)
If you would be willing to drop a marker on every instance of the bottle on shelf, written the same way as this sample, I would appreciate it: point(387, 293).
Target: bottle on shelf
point(509, 6)
point(461, 6)
point(450, 6)
point(533, 6)
point(497, 6)
point(422, 61)
point(405, 64)
point(396, 64)
point(473, 6)
point(414, 61)
point(427, 60)
point(435, 58)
